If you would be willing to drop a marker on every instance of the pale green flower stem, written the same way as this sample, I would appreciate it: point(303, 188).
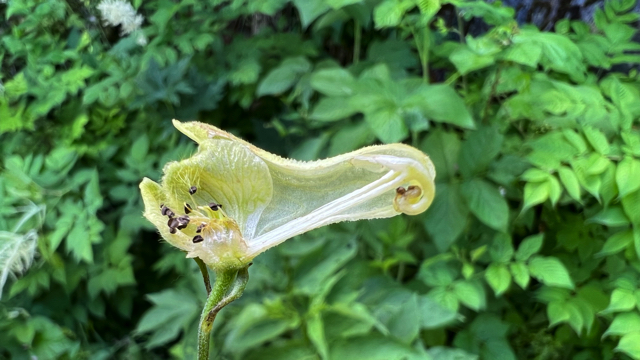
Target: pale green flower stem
point(229, 286)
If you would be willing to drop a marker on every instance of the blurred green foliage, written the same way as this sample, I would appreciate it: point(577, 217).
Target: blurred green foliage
point(530, 250)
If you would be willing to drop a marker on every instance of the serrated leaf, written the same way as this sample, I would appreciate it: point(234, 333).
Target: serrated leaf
point(309, 10)
point(529, 246)
point(447, 217)
point(315, 331)
point(623, 324)
point(550, 271)
point(283, 77)
point(621, 300)
point(333, 109)
point(486, 203)
point(442, 103)
point(333, 82)
point(597, 139)
point(628, 175)
point(520, 273)
point(443, 149)
point(535, 175)
point(535, 193)
point(612, 216)
point(630, 345)
point(498, 277)
point(631, 206)
point(616, 243)
point(470, 294)
point(570, 182)
point(478, 150)
point(557, 312)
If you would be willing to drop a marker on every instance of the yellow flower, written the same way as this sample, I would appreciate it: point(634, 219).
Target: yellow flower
point(232, 201)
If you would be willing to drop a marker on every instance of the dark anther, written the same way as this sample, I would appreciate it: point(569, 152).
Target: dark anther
point(166, 211)
point(411, 188)
point(197, 239)
point(192, 190)
point(161, 205)
point(173, 223)
point(183, 221)
point(172, 230)
point(214, 206)
point(400, 190)
point(187, 208)
point(200, 227)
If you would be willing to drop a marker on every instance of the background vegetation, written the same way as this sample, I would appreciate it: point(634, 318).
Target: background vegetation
point(530, 250)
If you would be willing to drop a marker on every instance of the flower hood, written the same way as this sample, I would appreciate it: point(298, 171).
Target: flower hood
point(231, 201)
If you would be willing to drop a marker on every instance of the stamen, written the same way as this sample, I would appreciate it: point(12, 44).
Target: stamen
point(400, 190)
point(167, 212)
point(173, 223)
point(200, 227)
point(192, 190)
point(214, 206)
point(183, 221)
point(197, 239)
point(187, 208)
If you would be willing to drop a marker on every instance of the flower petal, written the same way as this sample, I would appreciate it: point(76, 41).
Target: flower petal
point(223, 172)
point(373, 182)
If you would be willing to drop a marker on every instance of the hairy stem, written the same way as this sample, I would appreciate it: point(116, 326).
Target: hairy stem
point(205, 275)
point(229, 286)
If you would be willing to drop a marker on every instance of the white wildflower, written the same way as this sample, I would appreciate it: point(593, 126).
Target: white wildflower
point(120, 12)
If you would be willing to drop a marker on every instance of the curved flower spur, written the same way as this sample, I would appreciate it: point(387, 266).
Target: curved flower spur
point(232, 201)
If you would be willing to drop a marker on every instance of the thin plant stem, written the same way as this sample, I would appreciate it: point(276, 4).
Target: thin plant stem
point(229, 286)
point(205, 275)
point(423, 52)
point(357, 40)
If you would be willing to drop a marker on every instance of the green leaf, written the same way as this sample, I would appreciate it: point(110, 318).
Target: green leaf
point(627, 175)
point(570, 182)
point(466, 60)
point(471, 294)
point(597, 139)
point(550, 271)
point(486, 203)
point(613, 216)
point(172, 310)
point(621, 300)
point(557, 312)
point(405, 324)
point(333, 109)
point(616, 243)
point(535, 175)
point(389, 13)
point(520, 273)
point(441, 103)
point(315, 331)
point(433, 314)
point(498, 277)
point(535, 193)
point(333, 82)
point(630, 345)
point(447, 217)
point(309, 10)
point(623, 324)
point(387, 124)
point(284, 76)
point(631, 206)
point(501, 249)
point(443, 148)
point(529, 246)
point(479, 150)
point(372, 347)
